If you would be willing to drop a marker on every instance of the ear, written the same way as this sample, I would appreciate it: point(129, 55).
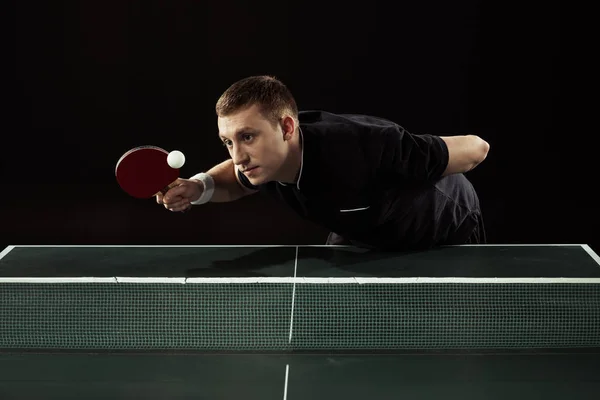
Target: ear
point(288, 126)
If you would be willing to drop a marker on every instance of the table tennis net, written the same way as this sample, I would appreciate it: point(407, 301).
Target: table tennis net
point(289, 314)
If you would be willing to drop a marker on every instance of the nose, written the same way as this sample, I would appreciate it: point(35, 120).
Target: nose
point(238, 155)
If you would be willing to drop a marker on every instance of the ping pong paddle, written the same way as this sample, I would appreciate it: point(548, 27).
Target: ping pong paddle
point(143, 172)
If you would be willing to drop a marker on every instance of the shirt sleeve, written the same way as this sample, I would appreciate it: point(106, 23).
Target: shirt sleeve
point(411, 157)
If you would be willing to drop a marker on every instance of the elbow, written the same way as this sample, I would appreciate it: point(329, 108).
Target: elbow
point(484, 149)
point(466, 152)
point(481, 150)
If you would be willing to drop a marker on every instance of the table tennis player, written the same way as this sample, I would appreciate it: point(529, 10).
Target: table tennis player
point(366, 179)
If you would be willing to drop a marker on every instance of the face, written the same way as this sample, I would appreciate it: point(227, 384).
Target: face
point(257, 148)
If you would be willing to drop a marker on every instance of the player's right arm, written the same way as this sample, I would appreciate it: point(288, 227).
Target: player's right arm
point(227, 188)
point(227, 183)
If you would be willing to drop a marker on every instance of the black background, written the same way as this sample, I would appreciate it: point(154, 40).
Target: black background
point(93, 79)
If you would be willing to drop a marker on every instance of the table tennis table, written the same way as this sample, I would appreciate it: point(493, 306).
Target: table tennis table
point(299, 322)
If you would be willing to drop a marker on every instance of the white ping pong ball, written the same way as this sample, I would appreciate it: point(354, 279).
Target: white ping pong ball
point(175, 159)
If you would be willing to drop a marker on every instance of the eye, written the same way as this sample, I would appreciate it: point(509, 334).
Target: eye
point(247, 137)
point(226, 143)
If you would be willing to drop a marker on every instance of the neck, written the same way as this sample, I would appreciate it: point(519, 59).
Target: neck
point(294, 160)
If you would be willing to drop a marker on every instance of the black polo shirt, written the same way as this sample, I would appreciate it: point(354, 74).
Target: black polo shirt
point(370, 181)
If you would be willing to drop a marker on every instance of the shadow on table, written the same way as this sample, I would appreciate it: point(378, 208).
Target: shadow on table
point(280, 262)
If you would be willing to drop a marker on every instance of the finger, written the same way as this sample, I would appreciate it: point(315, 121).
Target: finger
point(173, 194)
point(177, 182)
point(177, 202)
point(159, 198)
point(179, 206)
point(173, 202)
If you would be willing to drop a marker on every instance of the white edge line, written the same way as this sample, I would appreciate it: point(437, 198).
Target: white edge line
point(520, 245)
point(287, 372)
point(7, 250)
point(293, 297)
point(274, 245)
point(127, 279)
point(58, 280)
point(299, 280)
point(592, 253)
point(171, 245)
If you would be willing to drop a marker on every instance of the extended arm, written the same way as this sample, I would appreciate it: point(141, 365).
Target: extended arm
point(227, 184)
point(464, 153)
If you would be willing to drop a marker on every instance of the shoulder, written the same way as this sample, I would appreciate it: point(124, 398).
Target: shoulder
point(351, 129)
point(326, 119)
point(345, 144)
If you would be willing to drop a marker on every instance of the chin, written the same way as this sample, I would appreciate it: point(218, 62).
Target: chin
point(257, 180)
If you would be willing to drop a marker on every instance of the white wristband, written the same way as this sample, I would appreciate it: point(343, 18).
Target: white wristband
point(209, 188)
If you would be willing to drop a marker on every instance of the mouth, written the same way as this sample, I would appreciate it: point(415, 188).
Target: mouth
point(249, 169)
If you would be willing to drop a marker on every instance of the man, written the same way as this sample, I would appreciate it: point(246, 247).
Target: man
point(366, 179)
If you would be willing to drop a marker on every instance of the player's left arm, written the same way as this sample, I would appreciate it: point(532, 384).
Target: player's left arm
point(464, 153)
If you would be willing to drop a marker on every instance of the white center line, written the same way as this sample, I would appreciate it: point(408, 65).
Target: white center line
point(287, 370)
point(293, 296)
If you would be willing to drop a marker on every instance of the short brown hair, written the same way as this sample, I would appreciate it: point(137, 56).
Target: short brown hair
point(269, 93)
